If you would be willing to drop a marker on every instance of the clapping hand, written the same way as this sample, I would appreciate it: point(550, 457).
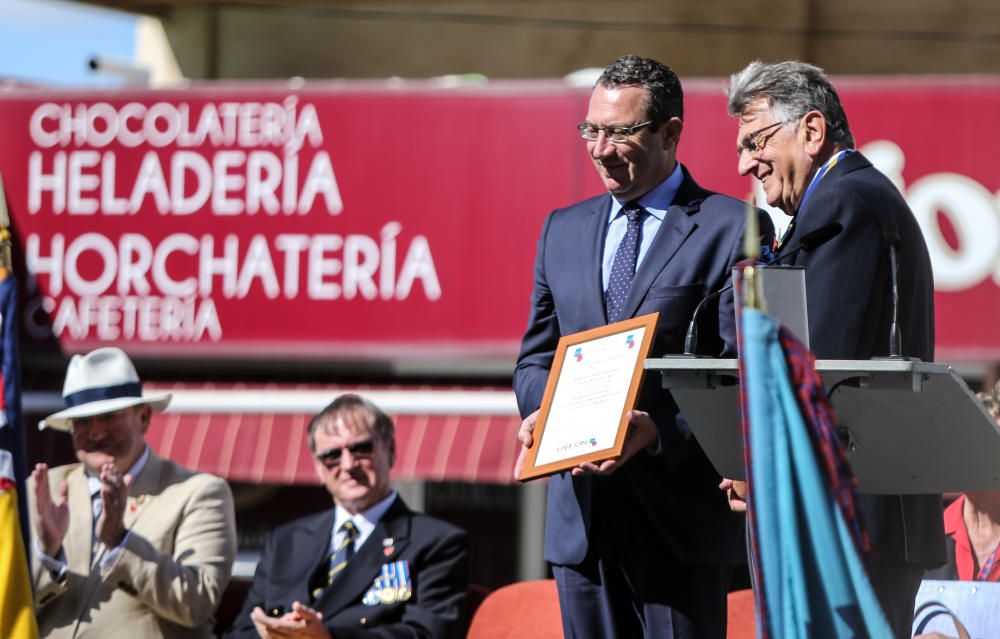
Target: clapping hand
point(110, 527)
point(52, 516)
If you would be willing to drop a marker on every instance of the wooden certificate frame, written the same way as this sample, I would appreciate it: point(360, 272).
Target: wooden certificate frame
point(593, 384)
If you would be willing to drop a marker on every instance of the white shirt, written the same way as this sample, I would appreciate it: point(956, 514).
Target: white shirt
point(365, 521)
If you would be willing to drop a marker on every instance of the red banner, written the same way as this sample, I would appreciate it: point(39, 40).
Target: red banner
point(395, 223)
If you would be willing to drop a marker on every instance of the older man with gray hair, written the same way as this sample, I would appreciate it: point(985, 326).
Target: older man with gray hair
point(794, 137)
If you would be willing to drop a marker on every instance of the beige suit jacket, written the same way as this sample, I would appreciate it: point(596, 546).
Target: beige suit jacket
point(169, 577)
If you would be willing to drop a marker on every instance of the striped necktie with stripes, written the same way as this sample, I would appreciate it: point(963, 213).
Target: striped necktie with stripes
point(338, 558)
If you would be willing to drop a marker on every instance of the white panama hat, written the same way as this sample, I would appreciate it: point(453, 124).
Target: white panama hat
point(102, 381)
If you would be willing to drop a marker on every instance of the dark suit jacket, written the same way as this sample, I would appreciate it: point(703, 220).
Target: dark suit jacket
point(850, 308)
point(691, 256)
point(437, 554)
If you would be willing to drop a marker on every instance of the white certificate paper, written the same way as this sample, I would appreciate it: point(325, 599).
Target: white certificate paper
point(590, 397)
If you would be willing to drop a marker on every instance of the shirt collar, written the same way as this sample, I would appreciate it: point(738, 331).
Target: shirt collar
point(94, 481)
point(954, 527)
point(954, 521)
point(820, 173)
point(366, 520)
point(658, 200)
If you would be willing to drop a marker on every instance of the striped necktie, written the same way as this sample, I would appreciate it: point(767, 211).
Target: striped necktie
point(96, 507)
point(338, 559)
point(623, 266)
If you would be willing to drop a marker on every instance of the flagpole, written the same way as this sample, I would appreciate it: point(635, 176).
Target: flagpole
point(6, 262)
point(752, 297)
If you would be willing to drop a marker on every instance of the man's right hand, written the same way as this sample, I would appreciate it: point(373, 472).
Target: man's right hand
point(52, 517)
point(301, 623)
point(736, 494)
point(525, 435)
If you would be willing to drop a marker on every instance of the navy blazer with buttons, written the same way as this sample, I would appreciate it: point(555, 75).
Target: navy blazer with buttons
point(692, 255)
point(437, 554)
point(848, 292)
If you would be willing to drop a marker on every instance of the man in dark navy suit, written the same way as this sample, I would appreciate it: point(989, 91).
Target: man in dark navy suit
point(641, 545)
point(794, 137)
point(370, 567)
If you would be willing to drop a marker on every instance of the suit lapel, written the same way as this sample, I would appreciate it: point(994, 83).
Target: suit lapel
point(851, 162)
point(591, 265)
point(85, 551)
point(144, 490)
point(848, 164)
point(391, 533)
point(677, 225)
point(312, 548)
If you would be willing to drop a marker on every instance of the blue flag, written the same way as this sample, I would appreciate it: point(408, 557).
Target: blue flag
point(11, 426)
point(807, 541)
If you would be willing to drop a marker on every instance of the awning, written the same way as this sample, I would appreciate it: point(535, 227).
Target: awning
point(258, 434)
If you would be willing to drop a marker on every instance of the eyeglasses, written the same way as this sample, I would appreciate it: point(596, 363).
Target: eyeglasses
point(359, 450)
point(755, 141)
point(590, 131)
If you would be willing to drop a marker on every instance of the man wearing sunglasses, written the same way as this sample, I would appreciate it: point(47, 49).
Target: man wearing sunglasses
point(641, 545)
point(795, 139)
point(370, 566)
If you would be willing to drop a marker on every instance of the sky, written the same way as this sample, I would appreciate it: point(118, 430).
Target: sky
point(51, 41)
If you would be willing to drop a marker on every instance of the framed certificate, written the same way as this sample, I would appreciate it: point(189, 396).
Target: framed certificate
point(593, 383)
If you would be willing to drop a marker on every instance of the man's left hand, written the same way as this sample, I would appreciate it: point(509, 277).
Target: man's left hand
point(526, 437)
point(301, 623)
point(110, 528)
point(641, 433)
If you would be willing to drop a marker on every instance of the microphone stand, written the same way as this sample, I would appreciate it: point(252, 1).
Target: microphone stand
point(809, 241)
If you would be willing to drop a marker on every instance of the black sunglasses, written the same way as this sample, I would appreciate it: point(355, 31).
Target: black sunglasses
point(359, 450)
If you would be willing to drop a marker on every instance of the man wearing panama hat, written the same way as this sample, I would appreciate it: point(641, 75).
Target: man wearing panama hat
point(127, 544)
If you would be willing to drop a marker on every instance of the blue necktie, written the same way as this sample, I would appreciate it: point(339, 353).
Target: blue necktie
point(623, 266)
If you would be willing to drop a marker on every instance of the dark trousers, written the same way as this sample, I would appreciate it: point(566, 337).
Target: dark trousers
point(630, 585)
point(896, 583)
point(597, 600)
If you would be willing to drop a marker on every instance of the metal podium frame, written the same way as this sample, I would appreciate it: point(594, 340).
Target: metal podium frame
point(911, 427)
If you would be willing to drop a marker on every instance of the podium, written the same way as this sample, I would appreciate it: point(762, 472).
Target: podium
point(910, 427)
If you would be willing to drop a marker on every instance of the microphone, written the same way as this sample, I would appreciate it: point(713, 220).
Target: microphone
point(895, 337)
point(809, 241)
